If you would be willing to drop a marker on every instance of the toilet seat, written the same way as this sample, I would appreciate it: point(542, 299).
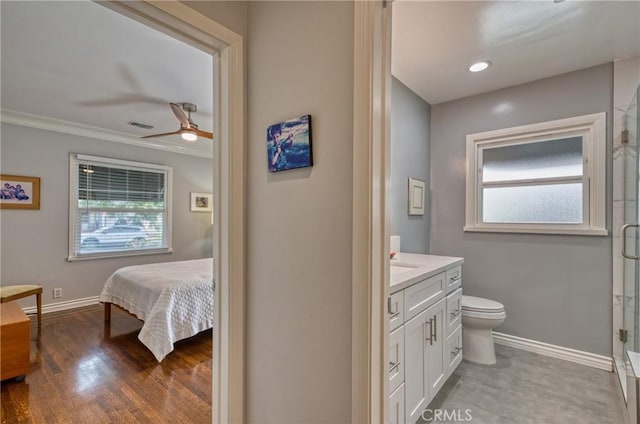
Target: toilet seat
point(479, 304)
point(484, 315)
point(478, 307)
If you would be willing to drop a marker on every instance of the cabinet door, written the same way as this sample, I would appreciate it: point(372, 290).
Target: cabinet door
point(396, 406)
point(416, 389)
point(395, 310)
point(454, 311)
point(436, 362)
point(396, 359)
point(454, 350)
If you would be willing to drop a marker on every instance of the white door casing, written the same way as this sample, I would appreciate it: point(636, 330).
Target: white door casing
point(182, 22)
point(370, 237)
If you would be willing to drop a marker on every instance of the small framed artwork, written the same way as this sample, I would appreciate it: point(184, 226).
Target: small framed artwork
point(201, 202)
point(416, 196)
point(289, 144)
point(18, 192)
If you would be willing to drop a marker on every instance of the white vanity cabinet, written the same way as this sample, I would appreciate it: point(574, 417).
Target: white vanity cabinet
point(453, 346)
point(396, 406)
point(435, 349)
point(424, 316)
point(416, 385)
point(425, 367)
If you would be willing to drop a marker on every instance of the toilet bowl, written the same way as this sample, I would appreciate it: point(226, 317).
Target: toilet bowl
point(479, 318)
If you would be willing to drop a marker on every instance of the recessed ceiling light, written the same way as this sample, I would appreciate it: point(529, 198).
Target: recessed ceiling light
point(479, 66)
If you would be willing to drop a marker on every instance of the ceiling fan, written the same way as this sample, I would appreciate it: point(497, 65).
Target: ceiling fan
point(188, 129)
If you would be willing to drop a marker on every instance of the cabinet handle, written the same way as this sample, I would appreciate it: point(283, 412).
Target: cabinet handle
point(456, 351)
point(392, 314)
point(393, 366)
point(430, 338)
point(435, 328)
point(456, 313)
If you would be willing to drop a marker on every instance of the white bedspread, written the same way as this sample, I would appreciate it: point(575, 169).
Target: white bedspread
point(174, 299)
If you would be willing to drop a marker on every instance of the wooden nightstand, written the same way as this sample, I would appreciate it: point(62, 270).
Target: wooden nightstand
point(14, 341)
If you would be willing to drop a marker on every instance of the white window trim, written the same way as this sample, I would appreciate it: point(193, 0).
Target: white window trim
point(74, 161)
point(593, 130)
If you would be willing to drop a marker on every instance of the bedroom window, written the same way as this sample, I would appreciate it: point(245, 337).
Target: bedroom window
point(541, 178)
point(118, 208)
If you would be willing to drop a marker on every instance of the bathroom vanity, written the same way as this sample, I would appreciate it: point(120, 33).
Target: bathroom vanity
point(425, 317)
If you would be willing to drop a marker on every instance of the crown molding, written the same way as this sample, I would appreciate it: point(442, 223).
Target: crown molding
point(96, 133)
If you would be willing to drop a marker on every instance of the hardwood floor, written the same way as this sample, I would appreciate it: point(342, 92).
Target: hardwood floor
point(82, 372)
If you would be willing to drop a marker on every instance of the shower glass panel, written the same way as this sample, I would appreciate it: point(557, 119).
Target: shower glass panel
point(631, 237)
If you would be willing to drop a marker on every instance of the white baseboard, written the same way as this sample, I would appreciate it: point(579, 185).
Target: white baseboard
point(572, 355)
point(61, 306)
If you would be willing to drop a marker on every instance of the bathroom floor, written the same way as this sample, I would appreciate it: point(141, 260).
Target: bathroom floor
point(525, 387)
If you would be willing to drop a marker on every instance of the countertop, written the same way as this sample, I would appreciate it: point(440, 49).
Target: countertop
point(409, 268)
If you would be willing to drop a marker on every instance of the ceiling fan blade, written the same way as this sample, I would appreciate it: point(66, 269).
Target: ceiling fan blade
point(124, 99)
point(163, 134)
point(177, 110)
point(204, 134)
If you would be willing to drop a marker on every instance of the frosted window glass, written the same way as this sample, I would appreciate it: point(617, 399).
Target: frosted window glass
point(554, 203)
point(544, 159)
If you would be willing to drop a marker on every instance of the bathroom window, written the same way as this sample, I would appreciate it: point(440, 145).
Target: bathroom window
point(541, 178)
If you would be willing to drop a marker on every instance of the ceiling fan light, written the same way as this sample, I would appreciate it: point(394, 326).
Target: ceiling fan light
point(189, 136)
point(479, 66)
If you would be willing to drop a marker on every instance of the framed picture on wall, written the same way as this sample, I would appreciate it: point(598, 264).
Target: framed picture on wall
point(416, 196)
point(289, 144)
point(201, 202)
point(18, 192)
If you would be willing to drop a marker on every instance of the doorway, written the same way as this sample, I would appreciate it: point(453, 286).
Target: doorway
point(183, 23)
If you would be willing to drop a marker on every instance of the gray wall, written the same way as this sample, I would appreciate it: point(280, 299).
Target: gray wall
point(410, 139)
point(555, 288)
point(35, 242)
point(300, 60)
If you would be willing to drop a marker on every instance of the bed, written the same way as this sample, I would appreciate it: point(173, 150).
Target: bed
point(173, 299)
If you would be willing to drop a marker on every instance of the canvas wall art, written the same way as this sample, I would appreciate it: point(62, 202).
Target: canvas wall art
point(289, 144)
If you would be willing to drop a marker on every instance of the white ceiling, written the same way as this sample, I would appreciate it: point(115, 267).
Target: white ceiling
point(81, 62)
point(434, 42)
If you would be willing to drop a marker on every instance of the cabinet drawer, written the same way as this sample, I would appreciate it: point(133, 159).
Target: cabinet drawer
point(395, 310)
point(396, 406)
point(454, 310)
point(396, 358)
point(421, 295)
point(454, 278)
point(453, 354)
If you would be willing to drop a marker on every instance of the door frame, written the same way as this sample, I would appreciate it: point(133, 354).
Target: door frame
point(182, 22)
point(371, 182)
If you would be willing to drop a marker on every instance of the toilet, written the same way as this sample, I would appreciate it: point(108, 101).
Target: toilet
point(479, 317)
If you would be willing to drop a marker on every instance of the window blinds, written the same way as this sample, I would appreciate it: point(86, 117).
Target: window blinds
point(118, 207)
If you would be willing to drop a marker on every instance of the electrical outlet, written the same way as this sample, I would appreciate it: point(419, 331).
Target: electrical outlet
point(57, 293)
